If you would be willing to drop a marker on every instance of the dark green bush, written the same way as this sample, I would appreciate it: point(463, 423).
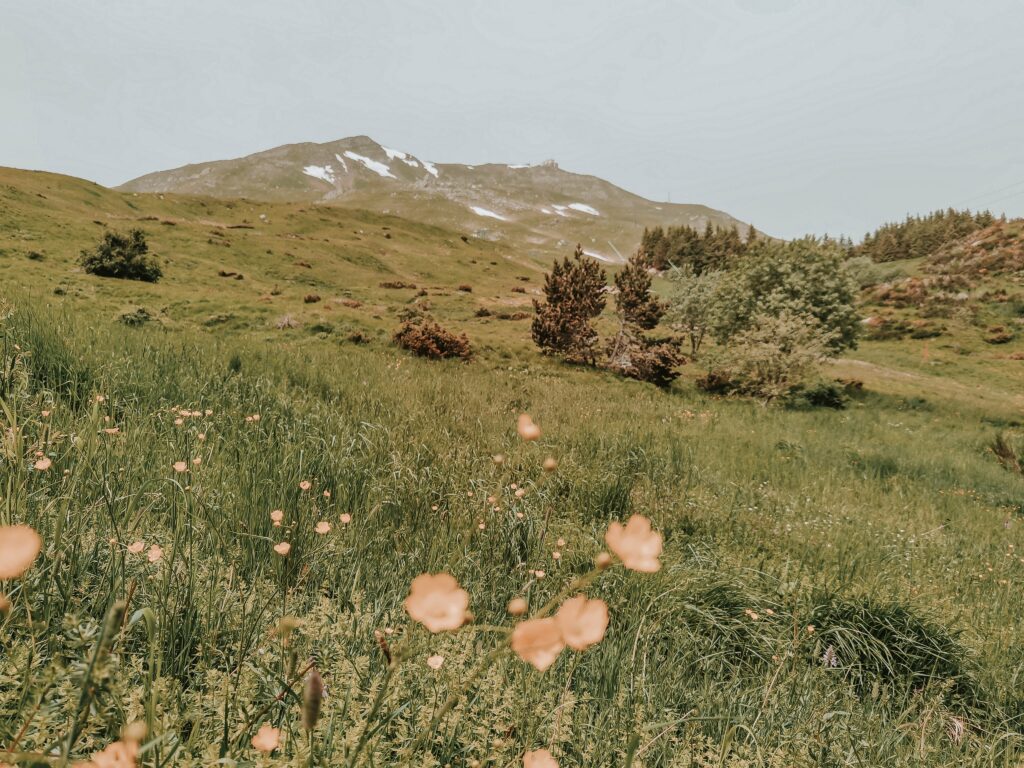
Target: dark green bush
point(122, 256)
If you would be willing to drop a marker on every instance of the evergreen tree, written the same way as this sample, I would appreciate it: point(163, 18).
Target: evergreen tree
point(574, 296)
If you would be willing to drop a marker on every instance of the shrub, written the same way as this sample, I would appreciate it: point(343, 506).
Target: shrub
point(652, 360)
point(774, 357)
point(136, 317)
point(820, 394)
point(426, 338)
point(804, 277)
point(122, 256)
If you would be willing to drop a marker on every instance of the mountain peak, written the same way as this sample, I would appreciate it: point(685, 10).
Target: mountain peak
point(541, 205)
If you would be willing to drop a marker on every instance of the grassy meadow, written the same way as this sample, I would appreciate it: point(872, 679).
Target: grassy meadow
point(837, 588)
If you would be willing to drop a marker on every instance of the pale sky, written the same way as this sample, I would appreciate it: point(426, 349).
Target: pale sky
point(798, 115)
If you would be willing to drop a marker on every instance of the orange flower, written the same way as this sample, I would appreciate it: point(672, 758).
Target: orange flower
point(582, 622)
point(19, 546)
point(305, 485)
point(550, 464)
point(43, 464)
point(539, 758)
point(155, 553)
point(277, 516)
point(517, 606)
point(136, 547)
point(435, 661)
point(527, 429)
point(346, 518)
point(636, 545)
point(267, 738)
point(283, 548)
point(323, 527)
point(119, 754)
point(538, 642)
point(180, 466)
point(437, 602)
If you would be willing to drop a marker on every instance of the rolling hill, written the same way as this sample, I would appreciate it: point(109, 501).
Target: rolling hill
point(542, 209)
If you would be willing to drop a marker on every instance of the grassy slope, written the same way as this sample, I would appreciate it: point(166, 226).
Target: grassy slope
point(889, 520)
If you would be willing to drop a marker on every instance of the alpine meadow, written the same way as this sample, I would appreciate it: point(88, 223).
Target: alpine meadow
point(332, 455)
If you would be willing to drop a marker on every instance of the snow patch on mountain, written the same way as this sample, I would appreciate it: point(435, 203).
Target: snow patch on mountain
point(561, 210)
point(517, 167)
point(584, 208)
point(322, 172)
point(484, 212)
point(431, 168)
point(405, 158)
point(341, 160)
point(598, 256)
point(381, 169)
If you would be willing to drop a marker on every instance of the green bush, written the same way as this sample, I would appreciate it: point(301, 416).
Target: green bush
point(122, 256)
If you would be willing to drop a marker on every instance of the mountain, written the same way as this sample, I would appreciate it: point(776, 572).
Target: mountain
point(541, 209)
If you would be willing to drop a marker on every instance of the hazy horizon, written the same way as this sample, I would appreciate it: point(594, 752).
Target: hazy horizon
point(797, 116)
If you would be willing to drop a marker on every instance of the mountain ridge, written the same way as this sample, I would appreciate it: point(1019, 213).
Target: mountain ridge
point(541, 207)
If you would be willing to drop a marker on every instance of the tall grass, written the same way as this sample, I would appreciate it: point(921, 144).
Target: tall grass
point(839, 588)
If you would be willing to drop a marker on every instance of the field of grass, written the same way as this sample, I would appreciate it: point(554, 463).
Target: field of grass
point(837, 587)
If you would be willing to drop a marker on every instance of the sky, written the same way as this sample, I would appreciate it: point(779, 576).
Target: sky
point(801, 116)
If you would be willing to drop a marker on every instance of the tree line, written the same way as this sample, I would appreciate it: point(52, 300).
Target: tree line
point(920, 236)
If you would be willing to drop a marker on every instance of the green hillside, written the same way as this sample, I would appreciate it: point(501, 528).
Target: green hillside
point(836, 587)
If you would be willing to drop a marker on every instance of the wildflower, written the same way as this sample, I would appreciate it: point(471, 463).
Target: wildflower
point(267, 738)
point(498, 459)
point(5, 604)
point(829, 658)
point(435, 661)
point(180, 466)
point(201, 436)
point(539, 758)
point(560, 542)
point(118, 754)
point(346, 518)
point(19, 546)
point(46, 414)
point(538, 642)
point(556, 555)
point(527, 429)
point(582, 622)
point(277, 516)
point(155, 553)
point(305, 485)
point(43, 464)
point(550, 464)
point(437, 602)
point(810, 629)
point(178, 422)
point(517, 606)
point(197, 461)
point(112, 430)
point(323, 527)
point(327, 494)
point(136, 547)
point(283, 548)
point(636, 545)
point(520, 493)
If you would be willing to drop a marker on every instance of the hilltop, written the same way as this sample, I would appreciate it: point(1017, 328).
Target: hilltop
point(542, 208)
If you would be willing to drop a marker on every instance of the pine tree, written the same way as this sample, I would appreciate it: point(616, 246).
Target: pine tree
point(574, 296)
